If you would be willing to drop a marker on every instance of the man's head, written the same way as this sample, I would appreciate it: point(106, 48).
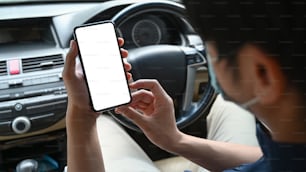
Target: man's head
point(258, 46)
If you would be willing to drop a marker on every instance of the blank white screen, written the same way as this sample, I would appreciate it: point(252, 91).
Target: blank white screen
point(103, 67)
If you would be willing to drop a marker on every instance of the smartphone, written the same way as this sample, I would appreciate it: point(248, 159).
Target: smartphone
point(102, 64)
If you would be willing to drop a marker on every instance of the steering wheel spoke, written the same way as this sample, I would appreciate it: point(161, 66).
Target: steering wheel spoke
point(194, 60)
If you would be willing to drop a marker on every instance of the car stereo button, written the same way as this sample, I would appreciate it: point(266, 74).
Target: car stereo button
point(15, 82)
point(4, 97)
point(18, 107)
point(4, 85)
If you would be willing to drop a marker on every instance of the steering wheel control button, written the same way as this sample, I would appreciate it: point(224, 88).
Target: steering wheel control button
point(21, 125)
point(190, 60)
point(194, 59)
point(18, 107)
point(198, 58)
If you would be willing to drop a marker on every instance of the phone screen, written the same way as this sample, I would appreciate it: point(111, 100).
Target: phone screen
point(102, 65)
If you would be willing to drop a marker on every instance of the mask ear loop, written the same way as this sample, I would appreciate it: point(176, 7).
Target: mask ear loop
point(249, 103)
point(253, 101)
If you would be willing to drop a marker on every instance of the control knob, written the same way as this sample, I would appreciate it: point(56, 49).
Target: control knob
point(21, 125)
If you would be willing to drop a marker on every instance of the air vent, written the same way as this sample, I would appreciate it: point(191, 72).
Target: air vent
point(42, 63)
point(3, 68)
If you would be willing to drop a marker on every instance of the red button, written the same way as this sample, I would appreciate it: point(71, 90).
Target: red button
point(14, 67)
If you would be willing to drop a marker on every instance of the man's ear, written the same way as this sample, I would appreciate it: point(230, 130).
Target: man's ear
point(270, 80)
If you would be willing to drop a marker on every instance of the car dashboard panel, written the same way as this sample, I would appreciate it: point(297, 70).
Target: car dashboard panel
point(34, 41)
point(31, 87)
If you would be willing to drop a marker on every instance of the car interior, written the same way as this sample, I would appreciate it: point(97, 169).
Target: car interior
point(34, 40)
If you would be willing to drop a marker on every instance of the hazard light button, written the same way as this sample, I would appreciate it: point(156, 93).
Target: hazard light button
point(14, 66)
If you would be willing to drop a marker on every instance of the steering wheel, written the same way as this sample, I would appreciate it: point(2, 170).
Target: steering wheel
point(173, 66)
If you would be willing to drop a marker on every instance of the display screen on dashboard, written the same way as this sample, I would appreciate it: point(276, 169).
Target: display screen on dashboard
point(20, 32)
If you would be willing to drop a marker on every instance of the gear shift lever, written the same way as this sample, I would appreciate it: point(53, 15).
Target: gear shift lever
point(28, 165)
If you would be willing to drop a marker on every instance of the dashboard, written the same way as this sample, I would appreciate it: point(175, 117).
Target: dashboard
point(34, 40)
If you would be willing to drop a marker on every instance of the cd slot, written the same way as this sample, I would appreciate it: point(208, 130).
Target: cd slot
point(41, 92)
point(47, 106)
point(32, 91)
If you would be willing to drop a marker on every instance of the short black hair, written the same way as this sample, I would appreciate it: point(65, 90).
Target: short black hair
point(277, 26)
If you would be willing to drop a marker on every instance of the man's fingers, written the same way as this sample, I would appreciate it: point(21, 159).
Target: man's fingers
point(121, 41)
point(129, 76)
point(152, 85)
point(127, 66)
point(124, 52)
point(130, 113)
point(69, 66)
point(142, 95)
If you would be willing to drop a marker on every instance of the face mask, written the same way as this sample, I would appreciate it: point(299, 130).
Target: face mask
point(215, 84)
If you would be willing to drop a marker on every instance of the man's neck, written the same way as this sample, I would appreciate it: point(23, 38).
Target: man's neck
point(290, 132)
point(288, 127)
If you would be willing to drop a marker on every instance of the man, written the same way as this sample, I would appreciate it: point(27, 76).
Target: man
point(121, 152)
point(256, 52)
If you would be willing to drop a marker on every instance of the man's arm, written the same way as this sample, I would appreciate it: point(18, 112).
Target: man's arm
point(83, 149)
point(153, 111)
point(214, 155)
point(84, 152)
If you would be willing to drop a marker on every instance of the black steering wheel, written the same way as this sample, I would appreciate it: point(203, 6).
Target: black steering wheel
point(173, 66)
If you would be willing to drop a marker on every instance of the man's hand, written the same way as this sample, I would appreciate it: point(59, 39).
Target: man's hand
point(153, 111)
point(74, 77)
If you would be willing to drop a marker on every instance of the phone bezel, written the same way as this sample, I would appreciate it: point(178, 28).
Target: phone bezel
point(84, 71)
